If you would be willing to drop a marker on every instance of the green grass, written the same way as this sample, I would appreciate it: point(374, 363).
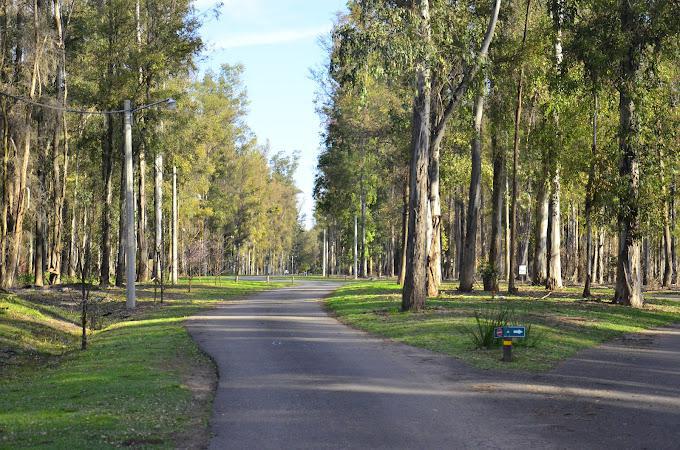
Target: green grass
point(141, 382)
point(564, 322)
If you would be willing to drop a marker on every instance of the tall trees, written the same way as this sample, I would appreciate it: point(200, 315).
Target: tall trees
point(140, 50)
point(553, 60)
point(640, 26)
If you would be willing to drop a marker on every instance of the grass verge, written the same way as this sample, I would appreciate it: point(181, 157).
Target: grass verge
point(564, 322)
point(142, 382)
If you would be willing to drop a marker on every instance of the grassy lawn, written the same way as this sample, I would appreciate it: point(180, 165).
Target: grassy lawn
point(561, 324)
point(141, 382)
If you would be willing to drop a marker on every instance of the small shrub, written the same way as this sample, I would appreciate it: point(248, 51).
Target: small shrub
point(486, 322)
point(489, 276)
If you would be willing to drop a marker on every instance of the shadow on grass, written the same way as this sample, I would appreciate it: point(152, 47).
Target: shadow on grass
point(124, 387)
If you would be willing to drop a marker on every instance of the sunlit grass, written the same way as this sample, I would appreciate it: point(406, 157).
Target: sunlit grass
point(565, 322)
point(129, 388)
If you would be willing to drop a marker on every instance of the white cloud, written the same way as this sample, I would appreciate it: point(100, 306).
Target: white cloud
point(270, 38)
point(235, 9)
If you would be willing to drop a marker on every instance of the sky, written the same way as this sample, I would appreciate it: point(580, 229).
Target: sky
point(277, 41)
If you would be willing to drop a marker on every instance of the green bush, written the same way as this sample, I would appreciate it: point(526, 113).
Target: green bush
point(486, 322)
point(489, 276)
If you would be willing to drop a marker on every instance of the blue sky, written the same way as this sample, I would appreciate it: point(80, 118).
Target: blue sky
point(277, 41)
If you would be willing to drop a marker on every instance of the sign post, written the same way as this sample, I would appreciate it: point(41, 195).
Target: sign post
point(507, 334)
point(523, 272)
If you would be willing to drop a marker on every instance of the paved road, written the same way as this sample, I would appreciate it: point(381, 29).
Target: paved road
point(291, 377)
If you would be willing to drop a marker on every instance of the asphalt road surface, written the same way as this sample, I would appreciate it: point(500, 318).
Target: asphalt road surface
point(291, 377)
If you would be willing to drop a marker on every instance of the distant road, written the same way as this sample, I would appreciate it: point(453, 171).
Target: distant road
point(292, 377)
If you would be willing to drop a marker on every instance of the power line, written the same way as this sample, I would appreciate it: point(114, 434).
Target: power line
point(169, 101)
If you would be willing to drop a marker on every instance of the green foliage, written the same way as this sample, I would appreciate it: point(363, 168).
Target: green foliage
point(483, 333)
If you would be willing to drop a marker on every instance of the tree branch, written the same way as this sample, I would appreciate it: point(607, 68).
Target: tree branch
point(469, 74)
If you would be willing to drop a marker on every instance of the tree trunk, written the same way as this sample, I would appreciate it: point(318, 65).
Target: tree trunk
point(38, 258)
point(107, 175)
point(415, 284)
point(600, 258)
point(393, 247)
point(589, 203)
point(674, 258)
point(666, 238)
point(142, 243)
point(355, 268)
point(628, 277)
point(175, 230)
point(450, 261)
point(364, 262)
point(497, 196)
point(460, 232)
point(467, 276)
point(541, 236)
point(404, 234)
point(434, 263)
point(158, 214)
point(122, 233)
point(506, 223)
point(555, 263)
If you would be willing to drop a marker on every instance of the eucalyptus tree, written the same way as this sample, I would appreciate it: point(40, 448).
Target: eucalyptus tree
point(643, 28)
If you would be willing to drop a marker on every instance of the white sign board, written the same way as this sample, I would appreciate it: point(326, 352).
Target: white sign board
point(523, 269)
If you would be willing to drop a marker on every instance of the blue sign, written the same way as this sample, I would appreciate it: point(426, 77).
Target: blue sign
point(510, 332)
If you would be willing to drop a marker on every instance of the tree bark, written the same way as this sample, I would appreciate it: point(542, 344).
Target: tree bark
point(497, 196)
point(434, 274)
point(467, 276)
point(122, 232)
point(142, 243)
point(554, 279)
point(158, 215)
point(174, 277)
point(450, 261)
point(541, 236)
point(628, 277)
point(506, 224)
point(460, 232)
point(404, 234)
point(355, 268)
point(415, 284)
point(589, 204)
point(364, 262)
point(674, 258)
point(107, 175)
point(666, 241)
